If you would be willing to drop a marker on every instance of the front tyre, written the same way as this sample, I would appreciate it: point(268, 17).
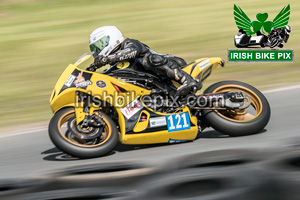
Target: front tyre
point(239, 122)
point(62, 137)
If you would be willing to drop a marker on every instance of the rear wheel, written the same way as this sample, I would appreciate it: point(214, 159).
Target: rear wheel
point(82, 142)
point(239, 122)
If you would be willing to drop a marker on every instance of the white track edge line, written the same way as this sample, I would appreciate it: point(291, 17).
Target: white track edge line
point(21, 133)
point(281, 89)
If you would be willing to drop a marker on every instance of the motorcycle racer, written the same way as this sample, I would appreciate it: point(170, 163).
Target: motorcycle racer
point(109, 47)
point(279, 36)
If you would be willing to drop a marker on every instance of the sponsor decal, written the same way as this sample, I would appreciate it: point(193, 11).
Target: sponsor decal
point(79, 79)
point(132, 108)
point(70, 80)
point(100, 84)
point(204, 64)
point(129, 55)
point(158, 121)
point(81, 82)
point(261, 33)
point(122, 65)
point(176, 141)
point(213, 96)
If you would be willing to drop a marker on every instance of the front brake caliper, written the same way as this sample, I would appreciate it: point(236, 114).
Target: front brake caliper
point(83, 109)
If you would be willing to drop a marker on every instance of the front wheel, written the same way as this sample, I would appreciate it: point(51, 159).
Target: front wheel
point(239, 122)
point(82, 142)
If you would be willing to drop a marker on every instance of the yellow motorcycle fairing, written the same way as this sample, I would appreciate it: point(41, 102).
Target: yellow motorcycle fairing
point(64, 95)
point(141, 131)
point(107, 89)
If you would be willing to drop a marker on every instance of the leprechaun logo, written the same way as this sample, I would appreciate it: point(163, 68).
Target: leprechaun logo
point(261, 33)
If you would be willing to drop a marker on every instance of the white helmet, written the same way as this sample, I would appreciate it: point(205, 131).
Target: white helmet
point(287, 29)
point(105, 39)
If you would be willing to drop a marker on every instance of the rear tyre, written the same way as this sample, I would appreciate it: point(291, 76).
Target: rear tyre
point(239, 122)
point(73, 146)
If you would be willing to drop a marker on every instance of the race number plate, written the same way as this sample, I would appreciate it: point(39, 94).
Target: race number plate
point(178, 122)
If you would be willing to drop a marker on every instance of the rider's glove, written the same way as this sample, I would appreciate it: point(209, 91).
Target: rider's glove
point(100, 61)
point(112, 59)
point(92, 68)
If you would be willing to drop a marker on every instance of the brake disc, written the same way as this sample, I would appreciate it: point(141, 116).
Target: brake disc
point(88, 133)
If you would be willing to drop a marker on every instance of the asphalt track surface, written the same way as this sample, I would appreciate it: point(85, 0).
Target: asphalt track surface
point(31, 154)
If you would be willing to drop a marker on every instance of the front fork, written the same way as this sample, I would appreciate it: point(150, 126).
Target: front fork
point(85, 113)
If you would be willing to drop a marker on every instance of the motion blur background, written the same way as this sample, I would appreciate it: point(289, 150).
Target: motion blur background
point(39, 38)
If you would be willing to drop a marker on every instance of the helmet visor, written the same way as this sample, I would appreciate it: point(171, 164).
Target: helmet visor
point(99, 45)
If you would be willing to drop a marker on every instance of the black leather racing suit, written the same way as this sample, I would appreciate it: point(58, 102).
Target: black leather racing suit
point(161, 64)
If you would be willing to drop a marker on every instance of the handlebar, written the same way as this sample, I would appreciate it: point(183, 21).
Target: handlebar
point(92, 68)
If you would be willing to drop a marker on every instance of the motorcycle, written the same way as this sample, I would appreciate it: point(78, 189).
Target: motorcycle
point(93, 111)
point(278, 36)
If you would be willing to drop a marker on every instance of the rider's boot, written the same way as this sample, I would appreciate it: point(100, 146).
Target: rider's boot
point(188, 83)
